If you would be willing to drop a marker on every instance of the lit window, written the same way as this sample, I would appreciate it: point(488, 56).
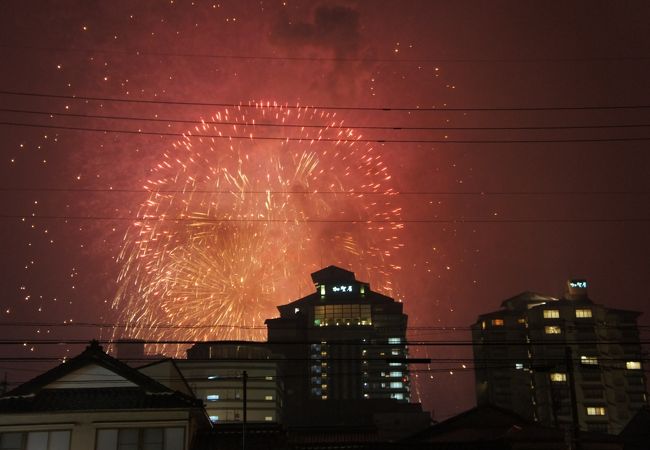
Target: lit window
point(394, 364)
point(397, 396)
point(212, 397)
point(323, 397)
point(583, 313)
point(394, 340)
point(396, 385)
point(596, 410)
point(213, 377)
point(551, 313)
point(268, 397)
point(394, 352)
point(633, 365)
point(552, 329)
point(497, 322)
point(268, 377)
point(396, 374)
point(483, 325)
point(589, 360)
point(521, 320)
point(519, 366)
point(322, 289)
point(214, 418)
point(558, 377)
point(328, 315)
point(268, 418)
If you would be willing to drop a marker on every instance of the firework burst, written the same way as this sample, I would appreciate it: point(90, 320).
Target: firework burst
point(239, 212)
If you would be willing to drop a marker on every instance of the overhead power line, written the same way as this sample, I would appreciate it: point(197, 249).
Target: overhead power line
point(559, 365)
point(260, 104)
point(316, 140)
point(317, 192)
point(158, 325)
point(394, 60)
point(321, 126)
point(411, 343)
point(296, 220)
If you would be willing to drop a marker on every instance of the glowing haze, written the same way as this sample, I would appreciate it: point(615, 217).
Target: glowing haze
point(229, 228)
point(237, 208)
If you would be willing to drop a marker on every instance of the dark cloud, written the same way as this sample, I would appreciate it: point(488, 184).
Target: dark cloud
point(332, 31)
point(334, 28)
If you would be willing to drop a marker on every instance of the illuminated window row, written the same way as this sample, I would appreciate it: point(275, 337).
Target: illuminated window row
point(325, 315)
point(581, 313)
point(558, 377)
point(551, 313)
point(596, 410)
point(341, 311)
point(216, 419)
point(217, 397)
point(589, 360)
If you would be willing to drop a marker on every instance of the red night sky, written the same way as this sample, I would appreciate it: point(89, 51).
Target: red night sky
point(439, 91)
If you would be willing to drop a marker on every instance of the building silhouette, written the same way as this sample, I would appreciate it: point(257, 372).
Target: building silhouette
point(530, 352)
point(346, 354)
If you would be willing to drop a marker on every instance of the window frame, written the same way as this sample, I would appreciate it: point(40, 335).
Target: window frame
point(558, 377)
point(141, 433)
point(595, 411)
point(552, 329)
point(587, 360)
point(551, 314)
point(24, 435)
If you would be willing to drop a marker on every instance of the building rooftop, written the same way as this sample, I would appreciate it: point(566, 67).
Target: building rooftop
point(83, 399)
point(90, 381)
point(333, 274)
point(525, 299)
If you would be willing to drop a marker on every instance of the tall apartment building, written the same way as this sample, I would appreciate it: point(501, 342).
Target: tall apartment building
point(345, 349)
point(521, 362)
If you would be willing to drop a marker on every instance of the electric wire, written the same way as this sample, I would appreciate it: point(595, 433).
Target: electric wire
point(261, 104)
point(319, 140)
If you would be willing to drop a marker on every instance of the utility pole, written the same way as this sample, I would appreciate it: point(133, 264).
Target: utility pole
point(575, 424)
point(243, 434)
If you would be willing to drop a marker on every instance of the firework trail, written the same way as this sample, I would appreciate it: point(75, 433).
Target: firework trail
point(232, 227)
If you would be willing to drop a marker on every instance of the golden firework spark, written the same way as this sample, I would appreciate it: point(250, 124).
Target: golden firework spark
point(232, 226)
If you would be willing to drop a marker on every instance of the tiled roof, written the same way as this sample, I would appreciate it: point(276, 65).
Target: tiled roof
point(490, 424)
point(147, 393)
point(92, 355)
point(80, 399)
